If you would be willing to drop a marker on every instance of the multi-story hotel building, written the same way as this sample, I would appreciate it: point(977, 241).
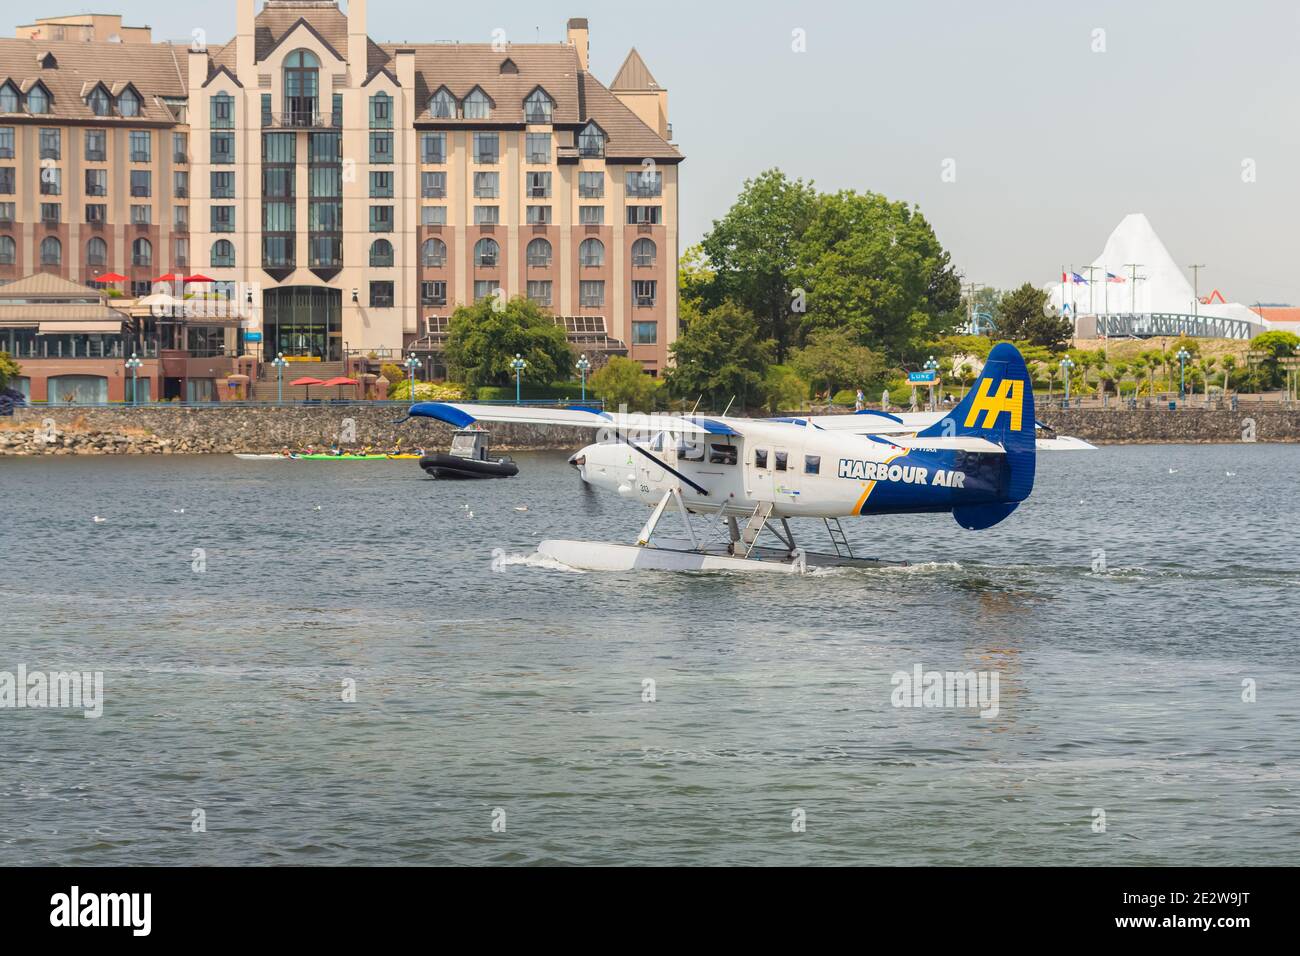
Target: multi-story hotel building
point(347, 194)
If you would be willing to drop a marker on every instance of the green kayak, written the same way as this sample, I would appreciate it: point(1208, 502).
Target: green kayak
point(328, 457)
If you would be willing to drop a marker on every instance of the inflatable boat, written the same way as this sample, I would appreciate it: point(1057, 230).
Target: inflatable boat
point(468, 458)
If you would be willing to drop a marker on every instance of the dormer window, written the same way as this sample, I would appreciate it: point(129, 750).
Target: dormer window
point(508, 66)
point(99, 102)
point(8, 98)
point(47, 61)
point(591, 141)
point(128, 104)
point(477, 105)
point(442, 105)
point(538, 107)
point(38, 101)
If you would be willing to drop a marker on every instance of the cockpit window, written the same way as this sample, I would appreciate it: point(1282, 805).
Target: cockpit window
point(722, 454)
point(688, 450)
point(760, 457)
point(782, 459)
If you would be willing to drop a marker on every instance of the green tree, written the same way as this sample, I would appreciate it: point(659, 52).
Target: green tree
point(721, 355)
point(9, 369)
point(876, 267)
point(484, 338)
point(833, 360)
point(1024, 320)
point(1275, 344)
point(751, 252)
point(786, 390)
point(623, 381)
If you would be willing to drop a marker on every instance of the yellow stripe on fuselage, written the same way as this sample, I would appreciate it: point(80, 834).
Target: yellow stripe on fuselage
point(870, 485)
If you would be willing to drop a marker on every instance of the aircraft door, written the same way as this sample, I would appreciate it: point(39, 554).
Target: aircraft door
point(786, 464)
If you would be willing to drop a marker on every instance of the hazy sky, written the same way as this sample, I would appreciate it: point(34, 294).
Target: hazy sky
point(1051, 142)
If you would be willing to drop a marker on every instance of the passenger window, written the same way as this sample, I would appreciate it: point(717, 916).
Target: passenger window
point(782, 458)
point(760, 457)
point(812, 464)
point(688, 450)
point(722, 454)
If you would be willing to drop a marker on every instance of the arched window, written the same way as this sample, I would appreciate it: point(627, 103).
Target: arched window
point(142, 253)
point(8, 251)
point(433, 253)
point(99, 102)
point(486, 253)
point(301, 87)
point(223, 254)
point(539, 253)
point(38, 101)
point(8, 98)
point(643, 252)
point(591, 141)
point(128, 104)
point(96, 252)
point(51, 251)
point(591, 252)
point(381, 253)
point(477, 105)
point(538, 107)
point(442, 105)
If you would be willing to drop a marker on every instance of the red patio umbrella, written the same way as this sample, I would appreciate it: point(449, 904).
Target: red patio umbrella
point(308, 381)
point(340, 382)
point(199, 278)
point(110, 277)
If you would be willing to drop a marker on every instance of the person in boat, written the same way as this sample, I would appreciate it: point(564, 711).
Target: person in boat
point(284, 452)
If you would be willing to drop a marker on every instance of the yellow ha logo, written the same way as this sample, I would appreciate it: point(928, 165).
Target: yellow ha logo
point(1008, 399)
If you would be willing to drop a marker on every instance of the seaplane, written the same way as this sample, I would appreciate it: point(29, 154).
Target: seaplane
point(748, 475)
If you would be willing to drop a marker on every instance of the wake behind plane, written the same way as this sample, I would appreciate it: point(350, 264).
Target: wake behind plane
point(749, 475)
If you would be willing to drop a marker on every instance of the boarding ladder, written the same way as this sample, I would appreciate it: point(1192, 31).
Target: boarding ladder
point(839, 538)
point(754, 527)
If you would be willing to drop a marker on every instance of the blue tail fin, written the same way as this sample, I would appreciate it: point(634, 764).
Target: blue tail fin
point(999, 408)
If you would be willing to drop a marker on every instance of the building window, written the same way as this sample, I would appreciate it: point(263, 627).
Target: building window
point(8, 98)
point(336, 111)
point(442, 105)
point(643, 292)
point(97, 252)
point(6, 142)
point(223, 185)
point(486, 253)
point(142, 253)
point(51, 144)
point(381, 295)
point(539, 254)
point(95, 146)
point(140, 288)
point(591, 215)
point(433, 253)
point(141, 215)
point(643, 252)
point(223, 254)
point(487, 148)
point(51, 251)
point(477, 105)
point(643, 215)
point(180, 148)
point(268, 115)
point(539, 148)
point(381, 111)
point(539, 215)
point(50, 212)
point(487, 215)
point(381, 185)
point(280, 148)
point(181, 218)
point(128, 104)
point(433, 215)
point(222, 112)
point(278, 251)
point(99, 102)
point(326, 147)
point(381, 147)
point(223, 148)
point(539, 185)
point(538, 107)
point(141, 183)
point(539, 291)
point(7, 180)
point(223, 219)
point(51, 181)
point(591, 293)
point(487, 185)
point(38, 101)
point(433, 148)
point(381, 253)
point(483, 288)
point(279, 216)
point(433, 293)
point(646, 184)
point(8, 251)
point(433, 185)
point(301, 88)
point(6, 212)
point(645, 333)
point(591, 185)
point(96, 212)
point(591, 252)
point(381, 218)
point(181, 184)
point(141, 146)
point(591, 141)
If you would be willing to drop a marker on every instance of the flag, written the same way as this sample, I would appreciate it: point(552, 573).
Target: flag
point(1111, 277)
point(1076, 278)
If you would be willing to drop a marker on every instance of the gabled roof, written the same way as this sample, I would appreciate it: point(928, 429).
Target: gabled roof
point(306, 25)
point(460, 67)
point(277, 20)
point(628, 136)
point(46, 285)
point(634, 75)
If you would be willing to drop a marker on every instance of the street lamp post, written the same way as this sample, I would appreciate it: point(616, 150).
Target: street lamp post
point(583, 368)
point(933, 367)
point(1182, 356)
point(412, 363)
point(134, 363)
point(1067, 364)
point(280, 363)
point(518, 365)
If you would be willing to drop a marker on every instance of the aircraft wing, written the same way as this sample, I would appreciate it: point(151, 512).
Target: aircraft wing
point(463, 416)
point(871, 422)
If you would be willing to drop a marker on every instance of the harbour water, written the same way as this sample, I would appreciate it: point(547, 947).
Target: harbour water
point(1127, 609)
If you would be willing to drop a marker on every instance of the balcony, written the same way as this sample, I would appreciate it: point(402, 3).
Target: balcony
point(51, 152)
point(140, 192)
point(95, 156)
point(180, 158)
point(181, 192)
point(301, 119)
point(139, 156)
